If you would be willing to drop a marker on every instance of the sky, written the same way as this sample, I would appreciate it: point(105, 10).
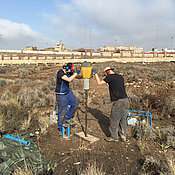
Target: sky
point(87, 23)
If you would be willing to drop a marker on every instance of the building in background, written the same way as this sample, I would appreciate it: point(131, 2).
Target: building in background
point(30, 48)
point(60, 47)
point(169, 50)
point(84, 50)
point(119, 49)
point(49, 49)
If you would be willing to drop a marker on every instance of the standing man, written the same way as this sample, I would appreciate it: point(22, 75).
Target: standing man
point(120, 106)
point(64, 95)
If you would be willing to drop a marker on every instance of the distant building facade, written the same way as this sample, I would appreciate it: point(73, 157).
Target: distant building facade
point(124, 49)
point(84, 50)
point(30, 48)
point(59, 47)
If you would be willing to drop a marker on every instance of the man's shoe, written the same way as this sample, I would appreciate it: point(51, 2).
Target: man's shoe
point(110, 139)
point(123, 138)
point(59, 133)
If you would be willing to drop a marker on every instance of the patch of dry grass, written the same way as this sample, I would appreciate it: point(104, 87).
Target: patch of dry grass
point(12, 115)
point(35, 97)
point(26, 123)
point(22, 172)
point(92, 169)
point(44, 123)
point(170, 158)
point(154, 165)
point(7, 95)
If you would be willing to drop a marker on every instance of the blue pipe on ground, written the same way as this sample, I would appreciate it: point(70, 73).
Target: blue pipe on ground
point(27, 143)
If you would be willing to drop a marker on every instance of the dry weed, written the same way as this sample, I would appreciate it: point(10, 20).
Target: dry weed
point(93, 169)
point(26, 123)
point(12, 115)
point(7, 95)
point(167, 136)
point(171, 161)
point(154, 165)
point(35, 97)
point(1, 121)
point(143, 146)
point(44, 123)
point(134, 101)
point(82, 146)
point(22, 172)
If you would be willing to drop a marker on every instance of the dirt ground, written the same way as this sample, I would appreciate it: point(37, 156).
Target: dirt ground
point(150, 87)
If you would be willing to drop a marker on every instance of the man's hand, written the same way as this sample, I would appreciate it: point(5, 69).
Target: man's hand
point(94, 71)
point(78, 70)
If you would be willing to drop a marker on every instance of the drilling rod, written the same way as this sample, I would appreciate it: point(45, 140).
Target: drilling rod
point(86, 108)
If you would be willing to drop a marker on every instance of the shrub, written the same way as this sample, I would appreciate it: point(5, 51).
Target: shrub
point(170, 158)
point(134, 101)
point(161, 99)
point(131, 79)
point(12, 116)
point(168, 136)
point(6, 95)
point(3, 70)
point(51, 84)
point(153, 165)
point(35, 97)
point(23, 72)
point(18, 82)
point(3, 82)
point(170, 105)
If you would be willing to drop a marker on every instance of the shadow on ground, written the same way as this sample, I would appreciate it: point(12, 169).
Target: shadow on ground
point(102, 119)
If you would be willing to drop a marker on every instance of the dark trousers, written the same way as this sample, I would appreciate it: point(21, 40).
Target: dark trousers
point(65, 113)
point(119, 118)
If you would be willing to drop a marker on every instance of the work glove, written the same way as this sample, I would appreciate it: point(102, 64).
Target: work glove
point(78, 70)
point(94, 71)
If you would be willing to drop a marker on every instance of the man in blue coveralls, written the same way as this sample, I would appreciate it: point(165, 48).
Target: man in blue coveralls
point(64, 95)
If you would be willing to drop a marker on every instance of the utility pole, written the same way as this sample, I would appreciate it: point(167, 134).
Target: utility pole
point(21, 37)
point(90, 41)
point(115, 44)
point(85, 39)
point(46, 44)
point(0, 40)
point(0, 45)
point(157, 37)
point(172, 43)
